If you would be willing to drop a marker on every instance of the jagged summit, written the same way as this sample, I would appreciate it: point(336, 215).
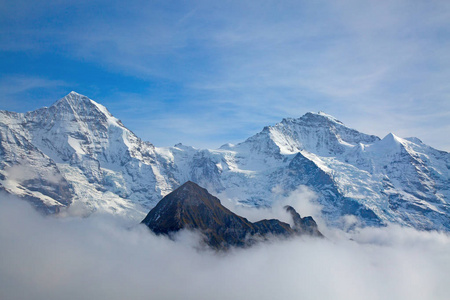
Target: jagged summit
point(188, 206)
point(320, 117)
point(82, 108)
point(391, 139)
point(388, 145)
point(191, 193)
point(90, 146)
point(75, 94)
point(313, 132)
point(193, 207)
point(73, 99)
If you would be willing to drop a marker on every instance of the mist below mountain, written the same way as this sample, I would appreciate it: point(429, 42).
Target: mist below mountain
point(106, 257)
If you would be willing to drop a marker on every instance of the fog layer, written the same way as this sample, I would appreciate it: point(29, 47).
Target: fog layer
point(100, 257)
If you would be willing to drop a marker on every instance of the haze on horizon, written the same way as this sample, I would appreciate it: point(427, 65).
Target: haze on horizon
point(207, 73)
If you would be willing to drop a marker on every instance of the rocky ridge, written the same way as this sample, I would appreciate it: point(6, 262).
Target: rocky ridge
point(191, 207)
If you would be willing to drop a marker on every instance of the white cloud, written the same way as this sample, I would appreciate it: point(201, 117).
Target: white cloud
point(99, 258)
point(377, 66)
point(15, 91)
point(303, 199)
point(15, 84)
point(21, 173)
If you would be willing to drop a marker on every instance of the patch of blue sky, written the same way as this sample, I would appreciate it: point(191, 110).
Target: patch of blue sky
point(207, 72)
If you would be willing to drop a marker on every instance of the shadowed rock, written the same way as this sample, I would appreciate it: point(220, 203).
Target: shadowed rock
point(305, 225)
point(192, 207)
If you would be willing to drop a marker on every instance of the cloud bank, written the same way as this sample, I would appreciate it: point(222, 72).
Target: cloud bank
point(103, 258)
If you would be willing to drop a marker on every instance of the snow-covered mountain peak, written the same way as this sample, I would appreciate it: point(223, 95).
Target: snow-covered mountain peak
point(391, 138)
point(227, 146)
point(75, 114)
point(73, 99)
point(83, 106)
point(314, 132)
point(317, 120)
point(184, 147)
point(313, 119)
point(414, 140)
point(390, 142)
point(320, 117)
point(76, 94)
point(76, 128)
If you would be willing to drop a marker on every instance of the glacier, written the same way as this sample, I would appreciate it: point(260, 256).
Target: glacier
point(75, 154)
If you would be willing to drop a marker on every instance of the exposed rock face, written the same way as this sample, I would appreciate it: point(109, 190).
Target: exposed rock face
point(305, 225)
point(192, 207)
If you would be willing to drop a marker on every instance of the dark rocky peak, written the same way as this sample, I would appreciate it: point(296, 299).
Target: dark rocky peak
point(305, 225)
point(191, 193)
point(192, 207)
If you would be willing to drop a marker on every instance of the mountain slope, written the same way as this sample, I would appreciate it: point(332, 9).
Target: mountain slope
point(103, 166)
point(27, 172)
point(192, 207)
point(109, 168)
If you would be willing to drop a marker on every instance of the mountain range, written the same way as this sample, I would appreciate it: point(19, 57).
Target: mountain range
point(75, 154)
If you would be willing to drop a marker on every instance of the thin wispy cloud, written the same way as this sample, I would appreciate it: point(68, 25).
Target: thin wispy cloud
point(21, 93)
point(361, 61)
point(12, 85)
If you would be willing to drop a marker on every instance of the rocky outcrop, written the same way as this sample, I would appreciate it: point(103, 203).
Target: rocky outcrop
point(192, 207)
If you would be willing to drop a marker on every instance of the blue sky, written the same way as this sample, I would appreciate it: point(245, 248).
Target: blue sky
point(205, 73)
